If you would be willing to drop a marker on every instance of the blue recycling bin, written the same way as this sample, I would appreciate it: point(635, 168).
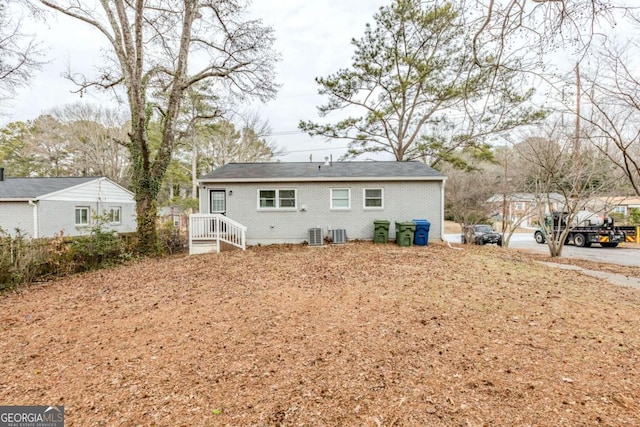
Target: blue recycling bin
point(421, 234)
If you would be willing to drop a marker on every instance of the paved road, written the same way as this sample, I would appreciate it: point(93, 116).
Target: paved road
point(627, 254)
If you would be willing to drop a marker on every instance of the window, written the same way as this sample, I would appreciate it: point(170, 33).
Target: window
point(115, 215)
point(519, 206)
point(82, 215)
point(287, 198)
point(218, 201)
point(277, 199)
point(621, 210)
point(340, 198)
point(373, 198)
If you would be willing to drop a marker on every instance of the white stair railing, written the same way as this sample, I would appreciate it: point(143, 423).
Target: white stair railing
point(217, 228)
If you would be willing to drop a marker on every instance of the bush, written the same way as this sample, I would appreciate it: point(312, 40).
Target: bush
point(24, 260)
point(99, 249)
point(171, 239)
point(618, 218)
point(634, 216)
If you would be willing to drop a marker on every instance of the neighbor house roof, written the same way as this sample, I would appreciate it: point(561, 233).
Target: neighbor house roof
point(526, 197)
point(317, 171)
point(33, 188)
point(620, 201)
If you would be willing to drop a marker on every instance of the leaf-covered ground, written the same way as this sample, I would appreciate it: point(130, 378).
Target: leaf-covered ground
point(345, 335)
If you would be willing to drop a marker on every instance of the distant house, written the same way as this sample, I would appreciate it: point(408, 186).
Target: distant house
point(524, 207)
point(619, 204)
point(280, 202)
point(174, 215)
point(44, 207)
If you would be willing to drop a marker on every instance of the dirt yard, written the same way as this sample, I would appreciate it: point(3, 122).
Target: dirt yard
point(345, 335)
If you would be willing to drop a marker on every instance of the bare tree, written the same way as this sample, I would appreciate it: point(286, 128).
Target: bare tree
point(468, 191)
point(161, 49)
point(538, 27)
point(553, 164)
point(19, 52)
point(70, 141)
point(611, 94)
point(245, 140)
point(97, 138)
point(511, 188)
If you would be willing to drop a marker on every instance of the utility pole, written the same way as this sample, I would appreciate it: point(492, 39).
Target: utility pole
point(504, 198)
point(576, 143)
point(578, 89)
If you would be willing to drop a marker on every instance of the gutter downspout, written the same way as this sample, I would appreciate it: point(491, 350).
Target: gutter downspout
point(36, 233)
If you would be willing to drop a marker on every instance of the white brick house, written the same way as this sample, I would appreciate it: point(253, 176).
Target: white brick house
point(44, 207)
point(280, 202)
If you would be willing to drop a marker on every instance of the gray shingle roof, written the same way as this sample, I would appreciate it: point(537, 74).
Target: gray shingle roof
point(318, 171)
point(32, 188)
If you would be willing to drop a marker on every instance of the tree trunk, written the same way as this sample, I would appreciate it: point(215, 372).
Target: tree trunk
point(194, 169)
point(146, 210)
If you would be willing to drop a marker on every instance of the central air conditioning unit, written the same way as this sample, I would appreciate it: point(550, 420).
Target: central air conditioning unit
point(339, 235)
point(315, 237)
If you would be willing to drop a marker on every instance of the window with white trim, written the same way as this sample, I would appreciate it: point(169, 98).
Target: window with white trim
point(340, 198)
point(620, 209)
point(82, 215)
point(115, 215)
point(277, 199)
point(373, 198)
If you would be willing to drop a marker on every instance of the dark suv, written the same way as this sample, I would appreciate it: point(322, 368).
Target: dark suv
point(481, 234)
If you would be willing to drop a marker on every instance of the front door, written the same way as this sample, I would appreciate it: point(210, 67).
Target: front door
point(218, 202)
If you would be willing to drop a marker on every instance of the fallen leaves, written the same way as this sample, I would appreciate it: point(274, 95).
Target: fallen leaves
point(356, 334)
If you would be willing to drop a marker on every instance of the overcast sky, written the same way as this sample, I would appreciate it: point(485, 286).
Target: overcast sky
point(312, 36)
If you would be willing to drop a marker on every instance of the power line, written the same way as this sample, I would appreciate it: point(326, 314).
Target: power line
point(285, 132)
point(316, 149)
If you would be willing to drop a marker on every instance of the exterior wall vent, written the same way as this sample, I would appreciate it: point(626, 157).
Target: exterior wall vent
point(315, 237)
point(339, 236)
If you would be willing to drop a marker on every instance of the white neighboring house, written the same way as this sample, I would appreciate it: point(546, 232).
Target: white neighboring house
point(280, 202)
point(524, 207)
point(45, 207)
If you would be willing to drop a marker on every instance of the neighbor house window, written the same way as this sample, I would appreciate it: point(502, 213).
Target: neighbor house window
point(340, 198)
point(115, 215)
point(373, 198)
point(277, 199)
point(621, 210)
point(82, 215)
point(519, 206)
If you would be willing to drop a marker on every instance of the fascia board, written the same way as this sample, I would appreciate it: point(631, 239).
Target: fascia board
point(324, 179)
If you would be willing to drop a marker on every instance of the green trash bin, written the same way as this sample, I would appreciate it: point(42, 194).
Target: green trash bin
point(380, 231)
point(404, 233)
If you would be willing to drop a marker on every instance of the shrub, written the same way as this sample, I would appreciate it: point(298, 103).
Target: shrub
point(171, 239)
point(618, 218)
point(634, 216)
point(99, 249)
point(25, 260)
point(21, 259)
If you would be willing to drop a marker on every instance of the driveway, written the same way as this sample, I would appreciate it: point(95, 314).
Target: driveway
point(626, 254)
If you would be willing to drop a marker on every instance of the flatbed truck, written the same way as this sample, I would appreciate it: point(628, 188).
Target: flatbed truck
point(606, 234)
